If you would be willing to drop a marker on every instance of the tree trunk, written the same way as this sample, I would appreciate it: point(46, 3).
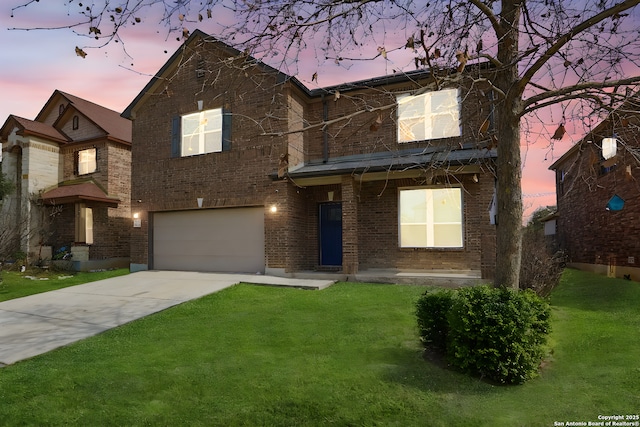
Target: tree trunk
point(509, 194)
point(509, 163)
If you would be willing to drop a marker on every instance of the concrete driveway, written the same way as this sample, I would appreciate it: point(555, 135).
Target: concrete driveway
point(39, 323)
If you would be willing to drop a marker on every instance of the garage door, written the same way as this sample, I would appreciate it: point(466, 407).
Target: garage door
point(227, 240)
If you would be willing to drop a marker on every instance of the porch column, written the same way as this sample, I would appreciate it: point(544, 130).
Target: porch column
point(349, 225)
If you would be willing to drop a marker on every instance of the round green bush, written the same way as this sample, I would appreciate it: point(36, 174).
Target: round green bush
point(498, 334)
point(431, 311)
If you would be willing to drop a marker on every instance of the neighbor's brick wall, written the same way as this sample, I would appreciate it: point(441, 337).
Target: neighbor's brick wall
point(111, 226)
point(586, 230)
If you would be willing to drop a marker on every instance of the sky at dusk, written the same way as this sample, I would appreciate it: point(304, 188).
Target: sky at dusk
point(37, 62)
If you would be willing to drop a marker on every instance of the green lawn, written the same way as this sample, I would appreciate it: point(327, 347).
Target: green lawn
point(346, 356)
point(17, 285)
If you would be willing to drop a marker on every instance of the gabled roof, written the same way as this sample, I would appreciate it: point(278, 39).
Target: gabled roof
point(31, 127)
point(72, 192)
point(156, 81)
point(111, 122)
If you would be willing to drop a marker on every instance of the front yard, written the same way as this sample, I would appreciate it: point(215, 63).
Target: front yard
point(347, 355)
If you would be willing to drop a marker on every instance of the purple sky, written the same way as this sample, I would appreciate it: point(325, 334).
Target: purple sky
point(35, 63)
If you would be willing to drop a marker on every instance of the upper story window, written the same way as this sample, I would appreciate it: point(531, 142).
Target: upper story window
point(200, 133)
point(429, 115)
point(86, 161)
point(430, 218)
point(609, 147)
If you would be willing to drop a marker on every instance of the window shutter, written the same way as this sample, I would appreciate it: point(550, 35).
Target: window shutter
point(175, 136)
point(226, 129)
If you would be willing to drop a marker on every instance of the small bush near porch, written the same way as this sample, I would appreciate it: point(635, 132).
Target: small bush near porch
point(347, 355)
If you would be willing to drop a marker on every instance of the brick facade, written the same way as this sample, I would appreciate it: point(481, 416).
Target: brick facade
point(48, 162)
point(592, 235)
point(265, 108)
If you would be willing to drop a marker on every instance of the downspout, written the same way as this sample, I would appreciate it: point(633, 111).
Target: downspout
point(325, 131)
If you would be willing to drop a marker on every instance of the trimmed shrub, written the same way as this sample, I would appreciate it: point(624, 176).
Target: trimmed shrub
point(498, 334)
point(431, 310)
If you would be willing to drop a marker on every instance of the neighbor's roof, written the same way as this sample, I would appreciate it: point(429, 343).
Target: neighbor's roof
point(72, 193)
point(31, 127)
point(108, 120)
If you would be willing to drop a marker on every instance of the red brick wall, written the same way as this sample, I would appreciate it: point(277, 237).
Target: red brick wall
point(355, 135)
point(242, 176)
point(239, 177)
point(586, 230)
point(111, 226)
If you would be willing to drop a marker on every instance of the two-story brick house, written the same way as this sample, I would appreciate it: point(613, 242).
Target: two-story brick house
point(598, 196)
point(238, 167)
point(71, 166)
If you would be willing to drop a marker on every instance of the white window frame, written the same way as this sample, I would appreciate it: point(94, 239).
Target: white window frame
point(194, 142)
point(418, 229)
point(87, 161)
point(422, 117)
point(84, 224)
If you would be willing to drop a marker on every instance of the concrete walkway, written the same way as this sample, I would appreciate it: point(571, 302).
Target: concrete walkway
point(39, 323)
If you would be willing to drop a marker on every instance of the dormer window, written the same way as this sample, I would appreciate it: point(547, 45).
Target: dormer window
point(61, 109)
point(609, 147)
point(75, 122)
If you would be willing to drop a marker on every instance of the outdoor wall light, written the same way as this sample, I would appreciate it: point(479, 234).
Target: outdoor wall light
point(137, 222)
point(200, 200)
point(274, 209)
point(200, 105)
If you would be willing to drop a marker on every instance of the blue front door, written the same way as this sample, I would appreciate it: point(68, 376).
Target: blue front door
point(330, 234)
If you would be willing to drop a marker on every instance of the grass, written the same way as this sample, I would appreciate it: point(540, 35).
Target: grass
point(16, 285)
point(346, 356)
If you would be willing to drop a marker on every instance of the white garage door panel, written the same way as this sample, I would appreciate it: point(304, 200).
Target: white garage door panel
point(229, 240)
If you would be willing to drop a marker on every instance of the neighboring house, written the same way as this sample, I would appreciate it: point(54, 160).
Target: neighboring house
point(598, 196)
point(238, 167)
point(71, 167)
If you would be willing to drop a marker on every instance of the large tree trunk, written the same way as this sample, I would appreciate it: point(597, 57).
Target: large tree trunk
point(509, 163)
point(509, 193)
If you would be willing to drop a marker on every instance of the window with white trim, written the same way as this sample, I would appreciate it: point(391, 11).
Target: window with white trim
point(430, 218)
point(201, 132)
point(429, 115)
point(84, 224)
point(87, 161)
